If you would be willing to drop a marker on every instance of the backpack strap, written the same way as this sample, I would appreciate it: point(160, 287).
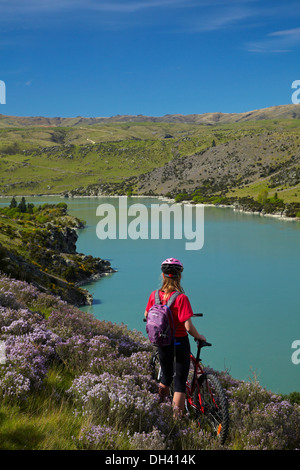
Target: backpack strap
point(172, 298)
point(170, 301)
point(168, 304)
point(157, 298)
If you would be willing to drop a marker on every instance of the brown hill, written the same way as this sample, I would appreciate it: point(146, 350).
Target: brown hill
point(266, 158)
point(290, 111)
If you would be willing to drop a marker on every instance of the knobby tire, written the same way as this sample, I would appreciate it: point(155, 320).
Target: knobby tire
point(213, 410)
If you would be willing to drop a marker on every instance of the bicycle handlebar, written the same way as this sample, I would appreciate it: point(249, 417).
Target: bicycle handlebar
point(201, 343)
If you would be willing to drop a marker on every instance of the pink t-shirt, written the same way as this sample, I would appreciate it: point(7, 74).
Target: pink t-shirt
point(181, 310)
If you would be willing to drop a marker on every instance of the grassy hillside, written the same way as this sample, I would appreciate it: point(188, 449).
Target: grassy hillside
point(73, 382)
point(235, 156)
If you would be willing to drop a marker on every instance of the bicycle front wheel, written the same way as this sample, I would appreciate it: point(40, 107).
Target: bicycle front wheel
point(211, 402)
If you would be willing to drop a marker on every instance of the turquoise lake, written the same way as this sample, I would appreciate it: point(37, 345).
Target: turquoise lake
point(245, 280)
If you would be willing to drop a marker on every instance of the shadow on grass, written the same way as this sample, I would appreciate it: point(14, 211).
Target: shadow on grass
point(21, 437)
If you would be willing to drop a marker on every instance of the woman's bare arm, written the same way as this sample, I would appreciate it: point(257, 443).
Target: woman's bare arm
point(192, 330)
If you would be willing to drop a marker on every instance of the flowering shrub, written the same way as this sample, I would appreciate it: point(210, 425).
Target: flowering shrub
point(260, 419)
point(68, 321)
point(98, 438)
point(29, 346)
point(110, 385)
point(126, 400)
point(13, 384)
point(80, 353)
point(16, 292)
point(153, 440)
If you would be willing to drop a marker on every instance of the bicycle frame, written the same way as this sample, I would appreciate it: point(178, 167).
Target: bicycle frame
point(190, 387)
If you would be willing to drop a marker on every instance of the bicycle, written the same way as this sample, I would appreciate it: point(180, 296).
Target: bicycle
point(206, 401)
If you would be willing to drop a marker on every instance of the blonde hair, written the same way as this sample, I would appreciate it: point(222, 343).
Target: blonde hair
point(171, 284)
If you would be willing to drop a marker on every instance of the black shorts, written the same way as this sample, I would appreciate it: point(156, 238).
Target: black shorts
point(181, 365)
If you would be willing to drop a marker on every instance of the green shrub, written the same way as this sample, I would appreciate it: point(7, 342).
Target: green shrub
point(182, 197)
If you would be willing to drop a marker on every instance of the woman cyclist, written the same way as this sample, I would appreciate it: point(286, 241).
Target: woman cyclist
point(182, 312)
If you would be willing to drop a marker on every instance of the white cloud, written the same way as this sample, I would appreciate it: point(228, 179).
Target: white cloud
point(287, 33)
point(215, 20)
point(277, 42)
point(44, 6)
point(112, 14)
point(32, 7)
point(196, 16)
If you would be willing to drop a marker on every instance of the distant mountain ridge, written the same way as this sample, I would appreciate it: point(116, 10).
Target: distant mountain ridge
point(289, 111)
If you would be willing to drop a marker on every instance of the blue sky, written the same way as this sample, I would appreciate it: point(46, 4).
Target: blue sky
point(151, 57)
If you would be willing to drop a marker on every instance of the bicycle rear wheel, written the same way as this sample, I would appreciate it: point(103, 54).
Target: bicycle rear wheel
point(211, 404)
point(155, 367)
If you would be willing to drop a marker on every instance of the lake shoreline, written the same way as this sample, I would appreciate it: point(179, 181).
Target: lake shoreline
point(167, 200)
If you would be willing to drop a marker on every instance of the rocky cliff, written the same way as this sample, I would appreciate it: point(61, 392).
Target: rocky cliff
point(40, 248)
